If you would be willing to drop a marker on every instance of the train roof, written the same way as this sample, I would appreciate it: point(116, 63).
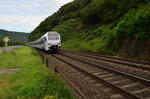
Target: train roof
point(53, 32)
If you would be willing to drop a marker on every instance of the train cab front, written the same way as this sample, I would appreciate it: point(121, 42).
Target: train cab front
point(54, 41)
point(54, 46)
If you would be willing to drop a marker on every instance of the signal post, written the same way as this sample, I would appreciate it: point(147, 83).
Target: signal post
point(6, 39)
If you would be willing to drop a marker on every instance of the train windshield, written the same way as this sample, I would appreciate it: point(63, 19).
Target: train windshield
point(53, 36)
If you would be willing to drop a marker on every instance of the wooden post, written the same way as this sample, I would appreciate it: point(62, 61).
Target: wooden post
point(43, 58)
point(47, 62)
point(56, 71)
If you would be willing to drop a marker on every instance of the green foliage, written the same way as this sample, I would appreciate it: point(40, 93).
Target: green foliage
point(66, 29)
point(10, 43)
point(92, 40)
point(2, 43)
point(32, 81)
point(14, 36)
point(134, 22)
point(142, 36)
point(107, 11)
point(52, 97)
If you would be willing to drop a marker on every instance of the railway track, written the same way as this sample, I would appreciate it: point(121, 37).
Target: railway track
point(108, 73)
point(124, 62)
point(125, 85)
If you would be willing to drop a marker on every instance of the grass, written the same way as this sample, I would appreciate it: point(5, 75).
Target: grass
point(93, 40)
point(32, 81)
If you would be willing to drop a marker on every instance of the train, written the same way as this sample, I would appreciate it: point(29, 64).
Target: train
point(50, 41)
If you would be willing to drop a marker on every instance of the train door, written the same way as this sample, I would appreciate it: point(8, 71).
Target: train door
point(45, 43)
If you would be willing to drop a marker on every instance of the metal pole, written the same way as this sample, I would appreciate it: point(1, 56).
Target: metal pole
point(6, 44)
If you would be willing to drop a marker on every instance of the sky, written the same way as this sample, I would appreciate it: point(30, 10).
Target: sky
point(26, 15)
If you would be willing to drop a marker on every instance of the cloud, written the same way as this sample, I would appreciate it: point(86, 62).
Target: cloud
point(32, 6)
point(26, 15)
point(28, 7)
point(62, 2)
point(20, 23)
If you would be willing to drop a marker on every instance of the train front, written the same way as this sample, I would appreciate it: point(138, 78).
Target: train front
point(54, 41)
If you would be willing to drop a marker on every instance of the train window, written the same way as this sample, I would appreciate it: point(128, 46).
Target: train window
point(53, 36)
point(45, 38)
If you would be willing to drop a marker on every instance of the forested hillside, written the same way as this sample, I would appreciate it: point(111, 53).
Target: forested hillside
point(114, 27)
point(14, 36)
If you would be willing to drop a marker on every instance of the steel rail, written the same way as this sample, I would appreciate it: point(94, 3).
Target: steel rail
point(132, 77)
point(111, 57)
point(114, 87)
point(79, 92)
point(61, 73)
point(128, 64)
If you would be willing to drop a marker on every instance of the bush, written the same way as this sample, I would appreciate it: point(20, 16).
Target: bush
point(2, 43)
point(134, 22)
point(142, 36)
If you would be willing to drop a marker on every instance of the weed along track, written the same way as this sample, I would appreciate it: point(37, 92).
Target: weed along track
point(91, 79)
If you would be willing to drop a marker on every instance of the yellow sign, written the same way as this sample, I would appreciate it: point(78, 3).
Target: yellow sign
point(6, 39)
